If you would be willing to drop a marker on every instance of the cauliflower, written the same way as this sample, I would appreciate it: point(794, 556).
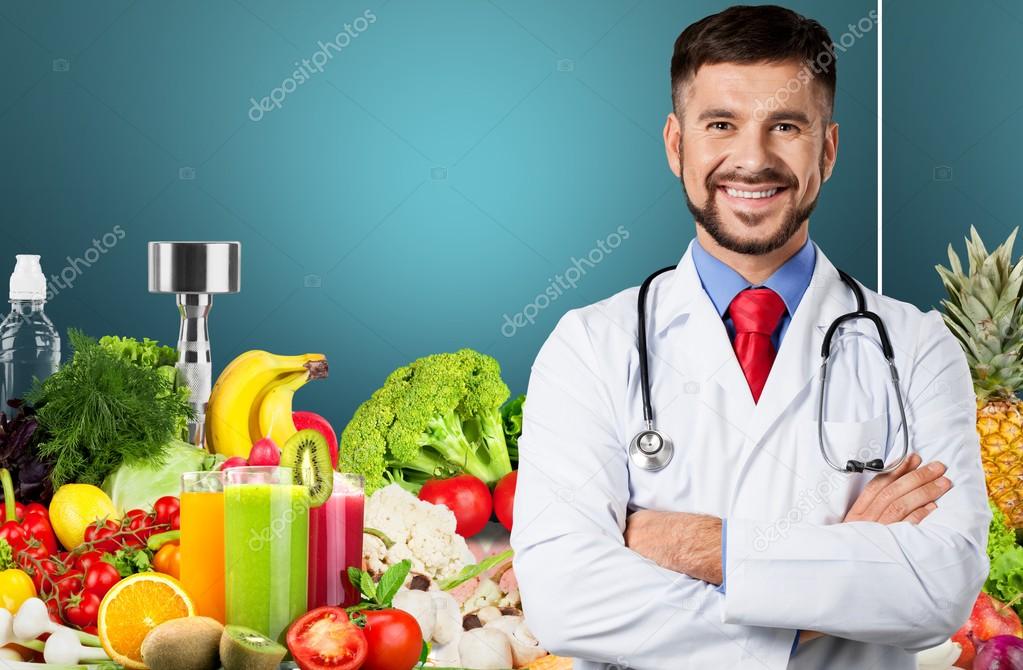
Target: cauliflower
point(422, 532)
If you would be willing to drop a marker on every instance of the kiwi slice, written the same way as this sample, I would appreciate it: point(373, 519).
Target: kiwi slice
point(308, 455)
point(246, 649)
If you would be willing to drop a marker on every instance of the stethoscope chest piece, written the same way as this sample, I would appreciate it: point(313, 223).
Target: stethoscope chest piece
point(651, 450)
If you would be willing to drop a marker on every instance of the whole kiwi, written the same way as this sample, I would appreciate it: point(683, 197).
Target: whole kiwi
point(246, 649)
point(188, 643)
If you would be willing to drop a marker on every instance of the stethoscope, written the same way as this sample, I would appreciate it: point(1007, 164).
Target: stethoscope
point(651, 449)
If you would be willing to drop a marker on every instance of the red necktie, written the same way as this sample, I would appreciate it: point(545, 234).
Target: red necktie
point(755, 314)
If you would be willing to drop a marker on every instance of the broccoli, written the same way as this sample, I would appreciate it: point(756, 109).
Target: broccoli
point(436, 417)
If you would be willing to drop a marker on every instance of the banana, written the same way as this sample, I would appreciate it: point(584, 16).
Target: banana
point(239, 392)
point(274, 412)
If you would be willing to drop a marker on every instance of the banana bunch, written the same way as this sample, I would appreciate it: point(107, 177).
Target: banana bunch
point(252, 399)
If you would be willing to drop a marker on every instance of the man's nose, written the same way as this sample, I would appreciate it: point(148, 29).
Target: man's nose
point(749, 150)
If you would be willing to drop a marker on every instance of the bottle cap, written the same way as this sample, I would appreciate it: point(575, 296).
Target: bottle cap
point(28, 281)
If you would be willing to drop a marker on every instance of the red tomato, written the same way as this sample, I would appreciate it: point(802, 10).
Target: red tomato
point(68, 585)
point(395, 640)
point(165, 508)
point(504, 498)
point(100, 577)
point(88, 559)
point(82, 609)
point(324, 639)
point(467, 496)
point(101, 536)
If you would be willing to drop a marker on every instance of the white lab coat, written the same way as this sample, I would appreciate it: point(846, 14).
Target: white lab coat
point(880, 592)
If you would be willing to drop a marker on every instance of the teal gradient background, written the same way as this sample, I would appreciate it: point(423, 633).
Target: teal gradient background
point(952, 135)
point(436, 176)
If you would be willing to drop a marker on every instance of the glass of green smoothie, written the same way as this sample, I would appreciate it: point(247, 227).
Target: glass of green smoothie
point(266, 540)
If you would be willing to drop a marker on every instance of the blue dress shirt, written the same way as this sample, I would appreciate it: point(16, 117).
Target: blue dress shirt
point(722, 284)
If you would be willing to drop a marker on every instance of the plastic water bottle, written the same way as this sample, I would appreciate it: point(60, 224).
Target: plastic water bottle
point(29, 344)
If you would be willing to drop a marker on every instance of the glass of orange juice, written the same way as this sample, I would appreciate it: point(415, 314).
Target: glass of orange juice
point(202, 541)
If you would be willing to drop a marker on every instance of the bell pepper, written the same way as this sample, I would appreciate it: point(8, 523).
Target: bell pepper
point(168, 560)
point(35, 523)
point(15, 588)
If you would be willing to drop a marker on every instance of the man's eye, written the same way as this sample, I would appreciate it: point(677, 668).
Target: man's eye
point(788, 126)
point(715, 124)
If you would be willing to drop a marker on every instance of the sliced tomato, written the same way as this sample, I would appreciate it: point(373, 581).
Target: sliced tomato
point(395, 640)
point(325, 639)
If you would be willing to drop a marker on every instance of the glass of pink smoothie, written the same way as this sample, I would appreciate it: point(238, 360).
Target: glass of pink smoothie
point(335, 543)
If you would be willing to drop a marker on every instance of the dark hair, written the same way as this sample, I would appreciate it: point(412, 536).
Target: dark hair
point(754, 34)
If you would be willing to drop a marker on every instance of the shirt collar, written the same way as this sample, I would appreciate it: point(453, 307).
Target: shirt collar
point(722, 283)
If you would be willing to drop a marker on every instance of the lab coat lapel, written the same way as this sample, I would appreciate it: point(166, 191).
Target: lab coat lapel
point(798, 358)
point(696, 346)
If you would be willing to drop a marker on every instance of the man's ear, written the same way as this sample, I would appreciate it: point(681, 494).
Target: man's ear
point(672, 142)
point(830, 150)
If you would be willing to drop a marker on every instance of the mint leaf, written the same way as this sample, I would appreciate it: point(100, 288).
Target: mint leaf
point(391, 581)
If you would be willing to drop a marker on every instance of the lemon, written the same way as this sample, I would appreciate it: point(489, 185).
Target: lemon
point(74, 507)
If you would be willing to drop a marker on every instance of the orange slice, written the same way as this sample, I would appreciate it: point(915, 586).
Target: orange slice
point(135, 606)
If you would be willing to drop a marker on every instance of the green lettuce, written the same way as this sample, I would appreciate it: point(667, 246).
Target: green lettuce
point(1005, 578)
point(149, 353)
point(139, 484)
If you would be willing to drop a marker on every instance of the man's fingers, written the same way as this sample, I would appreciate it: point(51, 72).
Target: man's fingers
point(879, 482)
point(903, 485)
point(920, 513)
point(915, 499)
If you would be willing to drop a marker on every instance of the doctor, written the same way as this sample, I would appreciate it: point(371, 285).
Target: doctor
point(747, 550)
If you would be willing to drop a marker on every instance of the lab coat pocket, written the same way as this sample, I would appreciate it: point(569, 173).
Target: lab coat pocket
point(845, 440)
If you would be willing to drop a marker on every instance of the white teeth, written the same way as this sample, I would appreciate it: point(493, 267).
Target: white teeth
point(753, 195)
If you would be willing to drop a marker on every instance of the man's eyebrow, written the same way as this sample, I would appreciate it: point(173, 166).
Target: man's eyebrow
point(774, 117)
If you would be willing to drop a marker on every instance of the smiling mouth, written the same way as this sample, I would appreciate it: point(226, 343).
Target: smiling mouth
point(752, 196)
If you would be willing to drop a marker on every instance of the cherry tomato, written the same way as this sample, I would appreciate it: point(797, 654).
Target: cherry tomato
point(467, 496)
point(325, 639)
point(100, 577)
point(504, 498)
point(35, 548)
point(53, 607)
point(82, 609)
point(102, 537)
point(13, 533)
point(176, 521)
point(165, 508)
point(88, 559)
point(38, 526)
point(68, 585)
point(395, 640)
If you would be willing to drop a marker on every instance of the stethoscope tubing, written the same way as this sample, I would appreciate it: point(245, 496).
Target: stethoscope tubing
point(657, 458)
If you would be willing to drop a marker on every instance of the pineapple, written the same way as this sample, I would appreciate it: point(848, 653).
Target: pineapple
point(984, 312)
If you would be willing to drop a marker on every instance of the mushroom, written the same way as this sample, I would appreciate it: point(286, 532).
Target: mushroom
point(524, 646)
point(420, 605)
point(485, 649)
point(447, 617)
point(488, 592)
point(488, 614)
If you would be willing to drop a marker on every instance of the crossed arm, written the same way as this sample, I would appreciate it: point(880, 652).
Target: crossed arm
point(691, 543)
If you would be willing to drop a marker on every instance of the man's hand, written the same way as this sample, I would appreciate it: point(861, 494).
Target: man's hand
point(904, 494)
point(907, 493)
point(679, 541)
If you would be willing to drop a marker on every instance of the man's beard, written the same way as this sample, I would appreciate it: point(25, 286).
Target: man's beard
point(710, 219)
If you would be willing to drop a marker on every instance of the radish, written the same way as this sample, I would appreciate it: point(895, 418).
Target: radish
point(265, 452)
